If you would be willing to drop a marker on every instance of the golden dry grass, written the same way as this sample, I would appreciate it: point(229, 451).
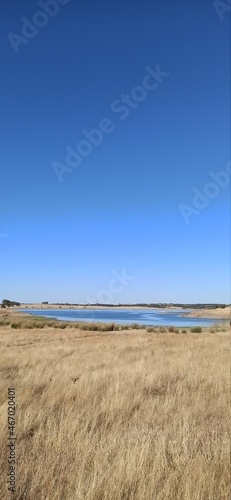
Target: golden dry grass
point(117, 415)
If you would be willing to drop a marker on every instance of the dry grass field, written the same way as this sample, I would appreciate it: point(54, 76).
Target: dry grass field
point(121, 415)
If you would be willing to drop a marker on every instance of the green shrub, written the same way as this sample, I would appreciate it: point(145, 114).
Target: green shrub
point(196, 329)
point(184, 331)
point(16, 325)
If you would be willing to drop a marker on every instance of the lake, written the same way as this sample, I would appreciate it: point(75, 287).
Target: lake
point(147, 317)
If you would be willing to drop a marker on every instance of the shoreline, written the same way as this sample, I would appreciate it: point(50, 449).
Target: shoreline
point(83, 307)
point(219, 313)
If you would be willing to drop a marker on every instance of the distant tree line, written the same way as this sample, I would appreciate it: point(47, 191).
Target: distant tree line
point(155, 305)
point(9, 303)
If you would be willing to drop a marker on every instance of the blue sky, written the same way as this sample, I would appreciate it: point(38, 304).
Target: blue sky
point(120, 208)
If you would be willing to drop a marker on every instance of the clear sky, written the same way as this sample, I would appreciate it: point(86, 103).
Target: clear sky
point(123, 225)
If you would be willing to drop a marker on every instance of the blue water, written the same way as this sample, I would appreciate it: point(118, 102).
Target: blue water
point(148, 317)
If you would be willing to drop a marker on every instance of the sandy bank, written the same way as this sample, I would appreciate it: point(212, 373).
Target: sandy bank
point(219, 313)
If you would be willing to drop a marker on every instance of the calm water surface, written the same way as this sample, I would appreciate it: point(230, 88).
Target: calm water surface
point(148, 317)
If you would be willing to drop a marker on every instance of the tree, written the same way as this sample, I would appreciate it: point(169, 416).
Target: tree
point(10, 303)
